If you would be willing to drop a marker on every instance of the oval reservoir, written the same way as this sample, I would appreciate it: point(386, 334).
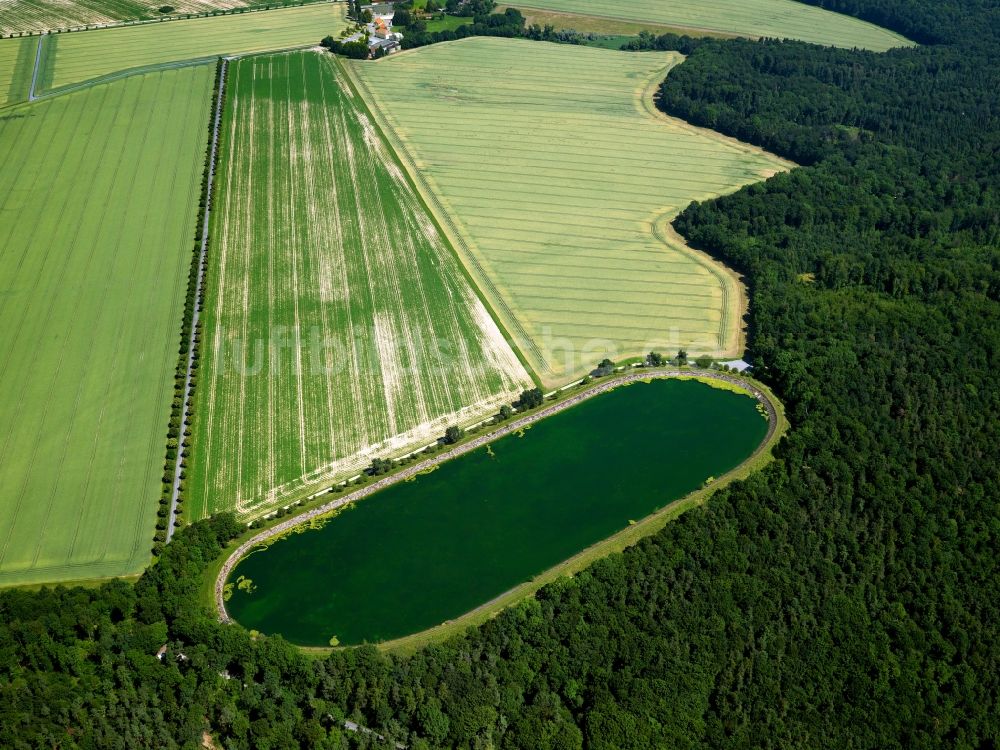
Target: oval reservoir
point(425, 551)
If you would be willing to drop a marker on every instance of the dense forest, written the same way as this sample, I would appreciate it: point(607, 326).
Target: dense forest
point(846, 596)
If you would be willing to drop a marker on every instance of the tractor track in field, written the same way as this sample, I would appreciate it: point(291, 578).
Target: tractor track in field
point(512, 427)
point(184, 442)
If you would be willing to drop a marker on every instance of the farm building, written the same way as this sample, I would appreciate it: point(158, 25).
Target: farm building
point(380, 10)
point(387, 46)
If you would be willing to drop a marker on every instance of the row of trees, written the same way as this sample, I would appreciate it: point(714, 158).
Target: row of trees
point(182, 415)
point(357, 50)
point(510, 23)
point(654, 359)
point(529, 399)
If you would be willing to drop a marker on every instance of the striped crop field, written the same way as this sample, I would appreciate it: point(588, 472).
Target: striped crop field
point(556, 180)
point(41, 15)
point(98, 198)
point(81, 56)
point(783, 19)
point(17, 59)
point(17, 16)
point(338, 325)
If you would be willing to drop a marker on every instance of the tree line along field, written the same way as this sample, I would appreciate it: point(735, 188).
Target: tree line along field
point(17, 16)
point(17, 57)
point(81, 56)
point(98, 196)
point(783, 19)
point(338, 325)
point(558, 178)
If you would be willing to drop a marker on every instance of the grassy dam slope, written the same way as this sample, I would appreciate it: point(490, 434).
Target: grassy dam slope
point(783, 19)
point(98, 196)
point(556, 179)
point(338, 324)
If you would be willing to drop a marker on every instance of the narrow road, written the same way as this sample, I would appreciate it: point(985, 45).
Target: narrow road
point(184, 442)
point(34, 75)
point(518, 424)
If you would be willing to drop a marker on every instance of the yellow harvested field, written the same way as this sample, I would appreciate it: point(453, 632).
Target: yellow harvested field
point(584, 24)
point(556, 178)
point(782, 19)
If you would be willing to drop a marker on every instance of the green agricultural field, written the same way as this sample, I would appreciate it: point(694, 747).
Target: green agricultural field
point(17, 59)
point(558, 178)
point(98, 197)
point(81, 56)
point(42, 15)
point(754, 18)
point(338, 326)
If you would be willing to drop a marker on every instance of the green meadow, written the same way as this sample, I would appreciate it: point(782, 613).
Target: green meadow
point(17, 59)
point(98, 195)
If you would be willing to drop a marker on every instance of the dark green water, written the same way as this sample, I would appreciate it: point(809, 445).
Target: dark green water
point(426, 551)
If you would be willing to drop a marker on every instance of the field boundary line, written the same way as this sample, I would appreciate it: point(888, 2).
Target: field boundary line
point(70, 88)
point(771, 406)
point(442, 219)
point(647, 97)
point(732, 331)
point(732, 339)
point(184, 441)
